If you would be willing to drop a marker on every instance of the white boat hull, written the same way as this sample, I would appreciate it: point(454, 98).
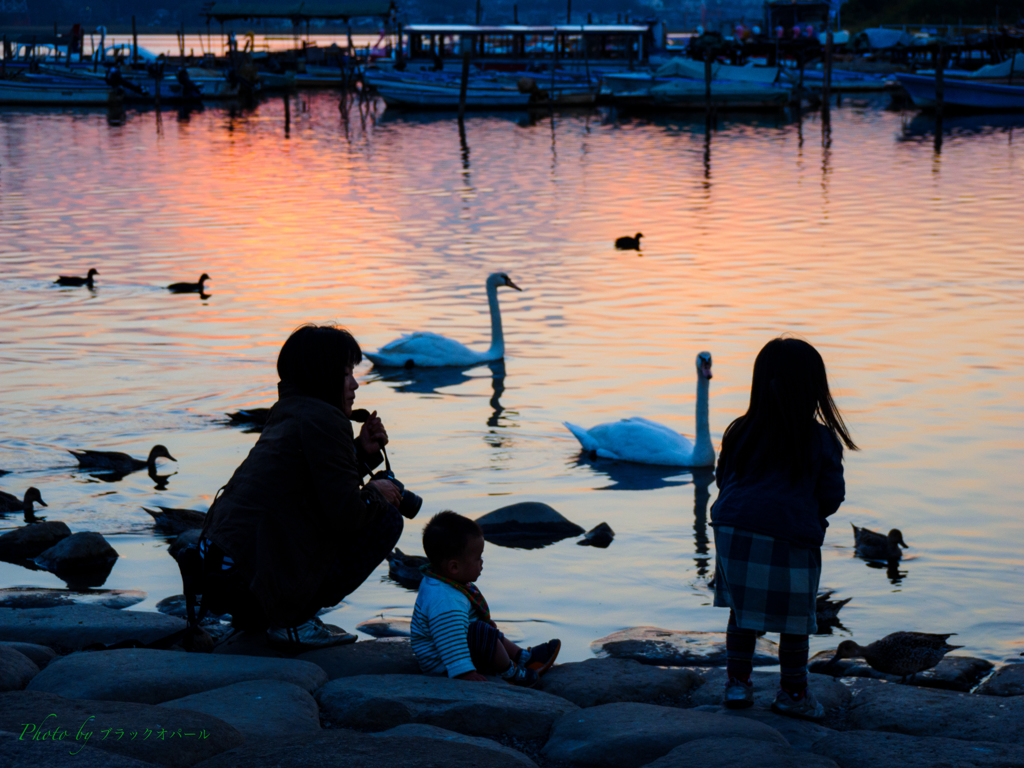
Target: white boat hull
point(53, 94)
point(963, 94)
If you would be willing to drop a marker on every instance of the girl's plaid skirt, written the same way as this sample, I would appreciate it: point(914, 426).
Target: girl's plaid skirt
point(770, 584)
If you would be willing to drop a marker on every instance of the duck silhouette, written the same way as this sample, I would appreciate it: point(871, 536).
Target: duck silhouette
point(629, 243)
point(11, 503)
point(901, 653)
point(176, 521)
point(121, 462)
point(76, 282)
point(189, 287)
point(254, 416)
point(872, 545)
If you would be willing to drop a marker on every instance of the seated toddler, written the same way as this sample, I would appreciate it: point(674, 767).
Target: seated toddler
point(452, 630)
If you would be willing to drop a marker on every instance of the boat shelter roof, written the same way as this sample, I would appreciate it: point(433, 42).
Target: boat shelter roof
point(512, 29)
point(298, 9)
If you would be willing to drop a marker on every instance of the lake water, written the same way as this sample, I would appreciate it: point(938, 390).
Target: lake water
point(901, 263)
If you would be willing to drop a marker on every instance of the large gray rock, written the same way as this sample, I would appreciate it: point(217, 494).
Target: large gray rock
point(18, 753)
point(79, 551)
point(800, 734)
point(1007, 681)
point(257, 708)
point(73, 627)
point(630, 735)
point(730, 753)
point(672, 648)
point(832, 694)
point(152, 677)
point(953, 673)
point(30, 714)
point(350, 749)
point(40, 654)
point(527, 525)
point(603, 681)
point(378, 702)
point(40, 597)
point(869, 749)
point(391, 656)
point(28, 541)
point(433, 732)
point(16, 669)
point(927, 712)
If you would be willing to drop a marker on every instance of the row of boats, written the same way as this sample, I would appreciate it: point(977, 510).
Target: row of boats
point(678, 83)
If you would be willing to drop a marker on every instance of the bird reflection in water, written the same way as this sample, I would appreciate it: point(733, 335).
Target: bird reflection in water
point(628, 476)
point(116, 475)
point(702, 479)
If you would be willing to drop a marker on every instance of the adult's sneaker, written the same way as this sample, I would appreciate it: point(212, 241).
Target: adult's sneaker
point(805, 707)
point(738, 694)
point(308, 636)
point(542, 657)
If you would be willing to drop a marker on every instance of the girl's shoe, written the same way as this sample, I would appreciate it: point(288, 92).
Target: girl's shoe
point(806, 707)
point(540, 658)
point(738, 695)
point(518, 675)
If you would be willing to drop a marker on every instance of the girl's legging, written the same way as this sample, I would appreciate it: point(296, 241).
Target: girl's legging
point(793, 649)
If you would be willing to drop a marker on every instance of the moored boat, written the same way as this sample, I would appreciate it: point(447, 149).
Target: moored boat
point(963, 94)
point(58, 93)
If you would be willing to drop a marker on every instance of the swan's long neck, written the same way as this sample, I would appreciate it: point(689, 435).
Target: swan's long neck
point(703, 450)
point(497, 349)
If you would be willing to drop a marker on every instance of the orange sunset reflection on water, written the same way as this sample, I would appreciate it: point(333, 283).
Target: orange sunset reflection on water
point(901, 262)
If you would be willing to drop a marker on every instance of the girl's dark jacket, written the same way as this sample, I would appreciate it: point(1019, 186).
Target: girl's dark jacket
point(296, 496)
point(773, 505)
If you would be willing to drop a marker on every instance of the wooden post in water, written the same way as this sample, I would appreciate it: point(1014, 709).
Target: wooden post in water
point(3, 62)
point(939, 85)
point(1013, 61)
point(515, 14)
point(478, 13)
point(568, 12)
point(827, 80)
point(135, 43)
point(56, 53)
point(287, 115)
point(181, 45)
point(466, 43)
point(707, 80)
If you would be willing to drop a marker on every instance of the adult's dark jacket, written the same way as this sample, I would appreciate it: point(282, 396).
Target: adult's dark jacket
point(296, 496)
point(771, 504)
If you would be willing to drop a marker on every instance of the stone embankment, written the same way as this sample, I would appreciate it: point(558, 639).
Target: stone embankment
point(367, 705)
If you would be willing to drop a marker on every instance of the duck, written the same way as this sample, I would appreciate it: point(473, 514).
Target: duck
point(76, 282)
point(189, 287)
point(176, 520)
point(877, 546)
point(406, 569)
point(11, 503)
point(629, 243)
point(643, 441)
point(121, 461)
point(901, 653)
point(257, 416)
point(826, 609)
point(430, 350)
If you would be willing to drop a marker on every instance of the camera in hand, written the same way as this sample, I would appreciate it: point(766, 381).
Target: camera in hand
point(410, 504)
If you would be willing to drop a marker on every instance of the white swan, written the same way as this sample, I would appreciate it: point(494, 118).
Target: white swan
point(646, 442)
point(430, 350)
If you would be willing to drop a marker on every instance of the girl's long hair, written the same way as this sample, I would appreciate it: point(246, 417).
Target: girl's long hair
point(788, 395)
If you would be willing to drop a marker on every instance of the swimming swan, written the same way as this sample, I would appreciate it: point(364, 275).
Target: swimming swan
point(646, 442)
point(430, 350)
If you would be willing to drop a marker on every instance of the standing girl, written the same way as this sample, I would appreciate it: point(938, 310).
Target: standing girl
point(780, 475)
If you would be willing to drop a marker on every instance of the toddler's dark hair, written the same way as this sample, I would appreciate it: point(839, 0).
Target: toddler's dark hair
point(446, 537)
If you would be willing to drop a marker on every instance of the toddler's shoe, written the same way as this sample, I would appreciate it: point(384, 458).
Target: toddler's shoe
point(518, 675)
point(738, 695)
point(806, 707)
point(308, 636)
point(540, 658)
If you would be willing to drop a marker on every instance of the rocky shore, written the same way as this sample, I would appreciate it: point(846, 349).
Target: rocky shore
point(366, 704)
